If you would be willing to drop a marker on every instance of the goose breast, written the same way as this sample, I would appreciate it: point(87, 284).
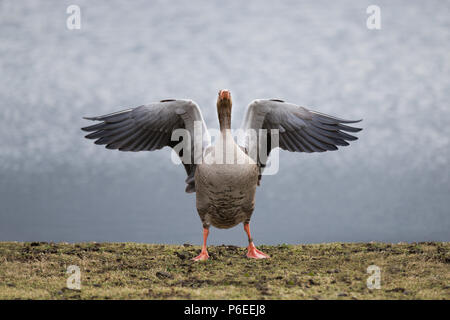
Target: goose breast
point(226, 186)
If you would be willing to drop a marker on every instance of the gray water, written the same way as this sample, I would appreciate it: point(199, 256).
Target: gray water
point(391, 185)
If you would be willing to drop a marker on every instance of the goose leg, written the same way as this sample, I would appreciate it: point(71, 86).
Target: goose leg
point(204, 253)
point(252, 251)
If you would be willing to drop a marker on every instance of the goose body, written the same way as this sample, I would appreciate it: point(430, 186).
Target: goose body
point(225, 175)
point(226, 192)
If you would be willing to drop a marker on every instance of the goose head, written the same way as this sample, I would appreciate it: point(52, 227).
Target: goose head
point(224, 109)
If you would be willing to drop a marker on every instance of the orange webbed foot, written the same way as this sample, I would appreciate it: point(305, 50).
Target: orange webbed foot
point(202, 256)
point(255, 253)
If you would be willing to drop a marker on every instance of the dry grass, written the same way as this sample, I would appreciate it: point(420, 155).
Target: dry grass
point(142, 271)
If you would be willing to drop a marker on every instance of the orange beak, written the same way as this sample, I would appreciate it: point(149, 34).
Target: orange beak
point(224, 94)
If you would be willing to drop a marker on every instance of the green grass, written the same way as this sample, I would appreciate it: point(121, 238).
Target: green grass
point(143, 271)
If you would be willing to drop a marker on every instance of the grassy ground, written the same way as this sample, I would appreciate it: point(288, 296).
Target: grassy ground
point(141, 271)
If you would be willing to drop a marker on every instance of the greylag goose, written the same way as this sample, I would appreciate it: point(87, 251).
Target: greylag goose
point(225, 191)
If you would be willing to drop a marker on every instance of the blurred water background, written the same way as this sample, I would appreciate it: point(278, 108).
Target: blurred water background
point(391, 185)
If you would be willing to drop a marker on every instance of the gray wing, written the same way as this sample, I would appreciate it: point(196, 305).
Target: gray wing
point(300, 129)
point(150, 127)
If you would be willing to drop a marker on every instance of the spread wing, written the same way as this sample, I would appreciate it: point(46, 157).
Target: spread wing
point(150, 127)
point(300, 129)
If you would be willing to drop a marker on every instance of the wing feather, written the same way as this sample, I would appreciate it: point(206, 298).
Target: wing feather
point(149, 127)
point(300, 129)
